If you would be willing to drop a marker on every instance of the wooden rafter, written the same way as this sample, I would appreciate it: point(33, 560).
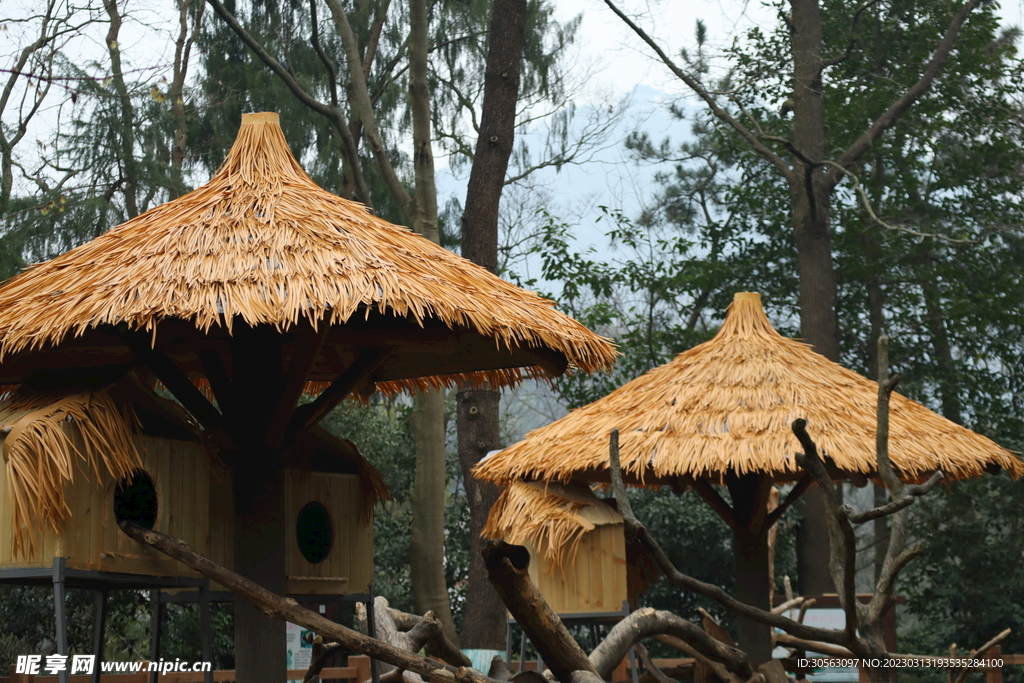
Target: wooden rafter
point(308, 415)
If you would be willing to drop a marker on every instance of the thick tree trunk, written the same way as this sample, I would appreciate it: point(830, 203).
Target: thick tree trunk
point(750, 494)
point(430, 592)
point(810, 198)
point(126, 124)
point(484, 616)
point(477, 412)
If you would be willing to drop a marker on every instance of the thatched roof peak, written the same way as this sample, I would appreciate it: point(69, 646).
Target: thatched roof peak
point(262, 244)
point(727, 405)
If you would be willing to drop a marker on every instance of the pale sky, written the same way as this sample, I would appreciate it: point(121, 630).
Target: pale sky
point(628, 62)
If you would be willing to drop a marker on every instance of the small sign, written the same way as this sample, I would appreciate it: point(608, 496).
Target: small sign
point(300, 650)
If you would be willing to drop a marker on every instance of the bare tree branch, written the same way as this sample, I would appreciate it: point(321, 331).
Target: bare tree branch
point(913, 93)
point(866, 203)
point(277, 607)
point(708, 98)
point(332, 113)
point(688, 582)
point(647, 622)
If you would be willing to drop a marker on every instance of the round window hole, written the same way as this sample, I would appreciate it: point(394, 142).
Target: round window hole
point(314, 532)
point(135, 500)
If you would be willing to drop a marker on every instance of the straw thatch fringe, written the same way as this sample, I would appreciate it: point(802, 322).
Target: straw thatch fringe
point(727, 405)
point(261, 243)
point(553, 518)
point(40, 451)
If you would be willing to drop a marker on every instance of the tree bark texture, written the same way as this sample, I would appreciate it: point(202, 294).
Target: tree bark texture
point(430, 592)
point(126, 125)
point(648, 622)
point(484, 613)
point(810, 196)
point(508, 567)
point(477, 411)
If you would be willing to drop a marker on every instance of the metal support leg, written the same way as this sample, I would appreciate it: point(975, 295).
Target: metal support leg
point(522, 650)
point(205, 629)
point(60, 613)
point(99, 631)
point(633, 668)
point(508, 642)
point(371, 630)
point(154, 632)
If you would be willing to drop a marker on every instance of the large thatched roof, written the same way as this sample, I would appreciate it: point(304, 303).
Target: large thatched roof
point(260, 243)
point(727, 405)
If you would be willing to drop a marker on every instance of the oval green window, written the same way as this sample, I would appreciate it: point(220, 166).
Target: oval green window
point(314, 532)
point(135, 500)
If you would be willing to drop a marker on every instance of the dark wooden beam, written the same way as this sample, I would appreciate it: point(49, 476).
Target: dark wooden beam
point(219, 378)
point(791, 498)
point(181, 386)
point(310, 414)
point(306, 349)
point(554, 363)
point(715, 501)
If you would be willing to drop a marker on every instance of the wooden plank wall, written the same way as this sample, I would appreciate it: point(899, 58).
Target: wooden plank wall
point(91, 538)
point(594, 582)
point(351, 555)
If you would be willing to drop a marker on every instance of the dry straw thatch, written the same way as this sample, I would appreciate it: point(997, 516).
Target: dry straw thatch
point(262, 243)
point(553, 518)
point(727, 405)
point(40, 451)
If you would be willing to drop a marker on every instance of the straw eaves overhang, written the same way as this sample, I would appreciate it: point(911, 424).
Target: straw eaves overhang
point(726, 406)
point(261, 244)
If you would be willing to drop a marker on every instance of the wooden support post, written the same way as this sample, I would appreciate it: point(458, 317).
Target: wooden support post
point(99, 631)
point(371, 630)
point(995, 674)
point(750, 493)
point(60, 612)
point(311, 413)
point(260, 532)
point(205, 629)
point(157, 610)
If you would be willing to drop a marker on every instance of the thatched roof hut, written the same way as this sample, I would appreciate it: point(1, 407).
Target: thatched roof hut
point(257, 287)
point(721, 413)
point(262, 245)
point(727, 405)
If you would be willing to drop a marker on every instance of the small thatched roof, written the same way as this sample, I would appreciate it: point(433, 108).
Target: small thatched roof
point(39, 448)
point(553, 518)
point(727, 405)
point(260, 243)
